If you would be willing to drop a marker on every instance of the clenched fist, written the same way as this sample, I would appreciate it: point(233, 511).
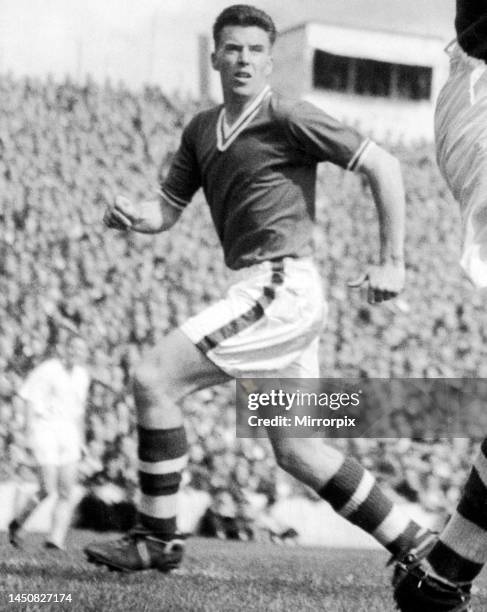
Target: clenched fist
point(120, 215)
point(385, 281)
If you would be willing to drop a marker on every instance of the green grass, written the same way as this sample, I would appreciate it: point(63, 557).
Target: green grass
point(216, 577)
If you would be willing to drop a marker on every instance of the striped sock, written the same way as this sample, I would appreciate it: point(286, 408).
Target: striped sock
point(461, 551)
point(162, 457)
point(354, 494)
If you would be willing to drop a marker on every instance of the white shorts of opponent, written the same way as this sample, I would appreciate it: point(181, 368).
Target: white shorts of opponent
point(268, 324)
point(461, 148)
point(55, 443)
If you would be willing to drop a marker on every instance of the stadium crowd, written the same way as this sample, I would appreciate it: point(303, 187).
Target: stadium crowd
point(66, 149)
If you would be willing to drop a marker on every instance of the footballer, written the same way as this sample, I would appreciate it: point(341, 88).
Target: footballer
point(255, 157)
point(443, 580)
point(54, 396)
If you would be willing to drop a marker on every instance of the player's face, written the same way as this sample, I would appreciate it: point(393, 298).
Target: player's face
point(243, 59)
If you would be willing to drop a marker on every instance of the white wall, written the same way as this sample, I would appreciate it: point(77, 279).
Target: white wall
point(377, 45)
point(387, 120)
point(384, 118)
point(292, 64)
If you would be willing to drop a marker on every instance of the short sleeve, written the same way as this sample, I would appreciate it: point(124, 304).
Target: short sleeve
point(183, 179)
point(323, 137)
point(37, 387)
point(35, 384)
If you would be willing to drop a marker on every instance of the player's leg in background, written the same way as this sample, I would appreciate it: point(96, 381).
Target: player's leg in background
point(67, 476)
point(47, 486)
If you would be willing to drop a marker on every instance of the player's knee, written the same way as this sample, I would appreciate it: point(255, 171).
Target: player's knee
point(286, 455)
point(148, 381)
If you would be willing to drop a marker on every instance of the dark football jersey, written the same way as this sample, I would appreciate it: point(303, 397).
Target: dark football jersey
point(471, 27)
point(259, 175)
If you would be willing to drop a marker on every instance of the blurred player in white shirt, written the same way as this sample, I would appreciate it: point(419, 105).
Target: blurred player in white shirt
point(55, 394)
point(443, 580)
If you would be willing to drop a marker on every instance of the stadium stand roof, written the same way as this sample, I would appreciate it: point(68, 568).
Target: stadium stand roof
point(418, 17)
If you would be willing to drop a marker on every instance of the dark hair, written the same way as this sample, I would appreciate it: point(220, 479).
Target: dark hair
point(244, 15)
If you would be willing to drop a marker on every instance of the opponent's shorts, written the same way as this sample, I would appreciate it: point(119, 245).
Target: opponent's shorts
point(461, 148)
point(268, 324)
point(55, 443)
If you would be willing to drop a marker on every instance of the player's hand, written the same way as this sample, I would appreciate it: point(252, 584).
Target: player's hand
point(120, 215)
point(385, 281)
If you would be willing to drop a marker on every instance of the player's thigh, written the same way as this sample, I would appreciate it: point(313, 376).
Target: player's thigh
point(306, 365)
point(178, 367)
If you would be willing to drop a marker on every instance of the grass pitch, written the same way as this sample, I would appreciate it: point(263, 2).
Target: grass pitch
point(216, 577)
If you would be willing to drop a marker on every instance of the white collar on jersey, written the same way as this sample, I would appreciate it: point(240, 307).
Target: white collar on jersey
point(225, 134)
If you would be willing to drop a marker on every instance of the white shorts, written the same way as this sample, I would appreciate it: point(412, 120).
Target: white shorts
point(461, 149)
point(55, 444)
point(268, 324)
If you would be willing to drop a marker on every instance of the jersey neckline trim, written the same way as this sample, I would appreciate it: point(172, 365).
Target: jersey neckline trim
point(225, 136)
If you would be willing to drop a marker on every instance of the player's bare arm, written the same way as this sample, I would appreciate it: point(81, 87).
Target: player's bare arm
point(146, 217)
point(383, 172)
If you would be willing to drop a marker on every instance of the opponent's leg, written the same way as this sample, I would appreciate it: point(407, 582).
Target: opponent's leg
point(461, 551)
point(352, 491)
point(47, 486)
point(459, 555)
point(165, 376)
point(63, 508)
